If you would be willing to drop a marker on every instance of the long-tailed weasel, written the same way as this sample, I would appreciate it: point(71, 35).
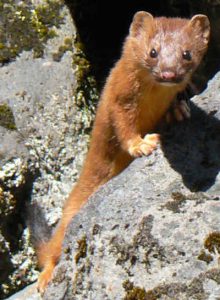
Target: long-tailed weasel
point(158, 58)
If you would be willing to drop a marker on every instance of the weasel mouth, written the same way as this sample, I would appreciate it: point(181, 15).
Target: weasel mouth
point(168, 77)
point(169, 81)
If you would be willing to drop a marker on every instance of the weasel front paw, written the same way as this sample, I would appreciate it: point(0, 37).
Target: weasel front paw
point(179, 111)
point(144, 146)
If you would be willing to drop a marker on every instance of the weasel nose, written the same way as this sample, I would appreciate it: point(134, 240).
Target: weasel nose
point(168, 75)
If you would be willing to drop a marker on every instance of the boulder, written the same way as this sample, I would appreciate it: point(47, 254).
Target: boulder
point(153, 231)
point(150, 232)
point(45, 120)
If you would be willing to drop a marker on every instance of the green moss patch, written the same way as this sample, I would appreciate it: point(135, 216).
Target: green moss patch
point(67, 46)
point(6, 117)
point(26, 27)
point(212, 246)
point(136, 293)
point(86, 93)
point(82, 249)
point(212, 242)
point(205, 257)
point(143, 248)
point(178, 199)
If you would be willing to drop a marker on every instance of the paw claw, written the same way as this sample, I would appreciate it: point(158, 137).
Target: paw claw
point(179, 111)
point(44, 279)
point(152, 139)
point(144, 146)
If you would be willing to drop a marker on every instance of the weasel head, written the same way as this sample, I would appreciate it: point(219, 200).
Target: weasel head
point(169, 49)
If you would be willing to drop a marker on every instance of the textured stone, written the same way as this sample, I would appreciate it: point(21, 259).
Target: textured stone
point(29, 293)
point(147, 233)
point(44, 129)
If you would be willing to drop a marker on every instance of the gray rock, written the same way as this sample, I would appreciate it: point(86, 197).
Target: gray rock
point(153, 231)
point(44, 125)
point(29, 293)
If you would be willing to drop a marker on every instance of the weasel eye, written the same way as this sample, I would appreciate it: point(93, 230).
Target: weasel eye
point(187, 55)
point(153, 53)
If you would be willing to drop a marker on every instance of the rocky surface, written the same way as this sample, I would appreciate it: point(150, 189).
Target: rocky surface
point(153, 232)
point(150, 233)
point(29, 293)
point(44, 125)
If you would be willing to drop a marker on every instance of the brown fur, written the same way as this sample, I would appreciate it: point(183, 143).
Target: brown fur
point(133, 101)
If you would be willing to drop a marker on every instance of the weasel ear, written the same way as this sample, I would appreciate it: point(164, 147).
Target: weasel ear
point(201, 24)
point(141, 19)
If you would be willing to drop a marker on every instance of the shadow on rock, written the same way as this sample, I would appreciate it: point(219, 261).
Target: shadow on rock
point(37, 224)
point(192, 148)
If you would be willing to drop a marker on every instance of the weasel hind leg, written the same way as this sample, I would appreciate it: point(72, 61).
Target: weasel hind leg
point(49, 254)
point(45, 277)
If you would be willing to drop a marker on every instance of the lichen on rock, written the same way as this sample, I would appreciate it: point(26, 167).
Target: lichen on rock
point(86, 94)
point(28, 26)
point(212, 242)
point(44, 130)
point(153, 226)
point(6, 117)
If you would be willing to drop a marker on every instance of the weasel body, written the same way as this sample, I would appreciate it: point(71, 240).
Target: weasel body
point(157, 61)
